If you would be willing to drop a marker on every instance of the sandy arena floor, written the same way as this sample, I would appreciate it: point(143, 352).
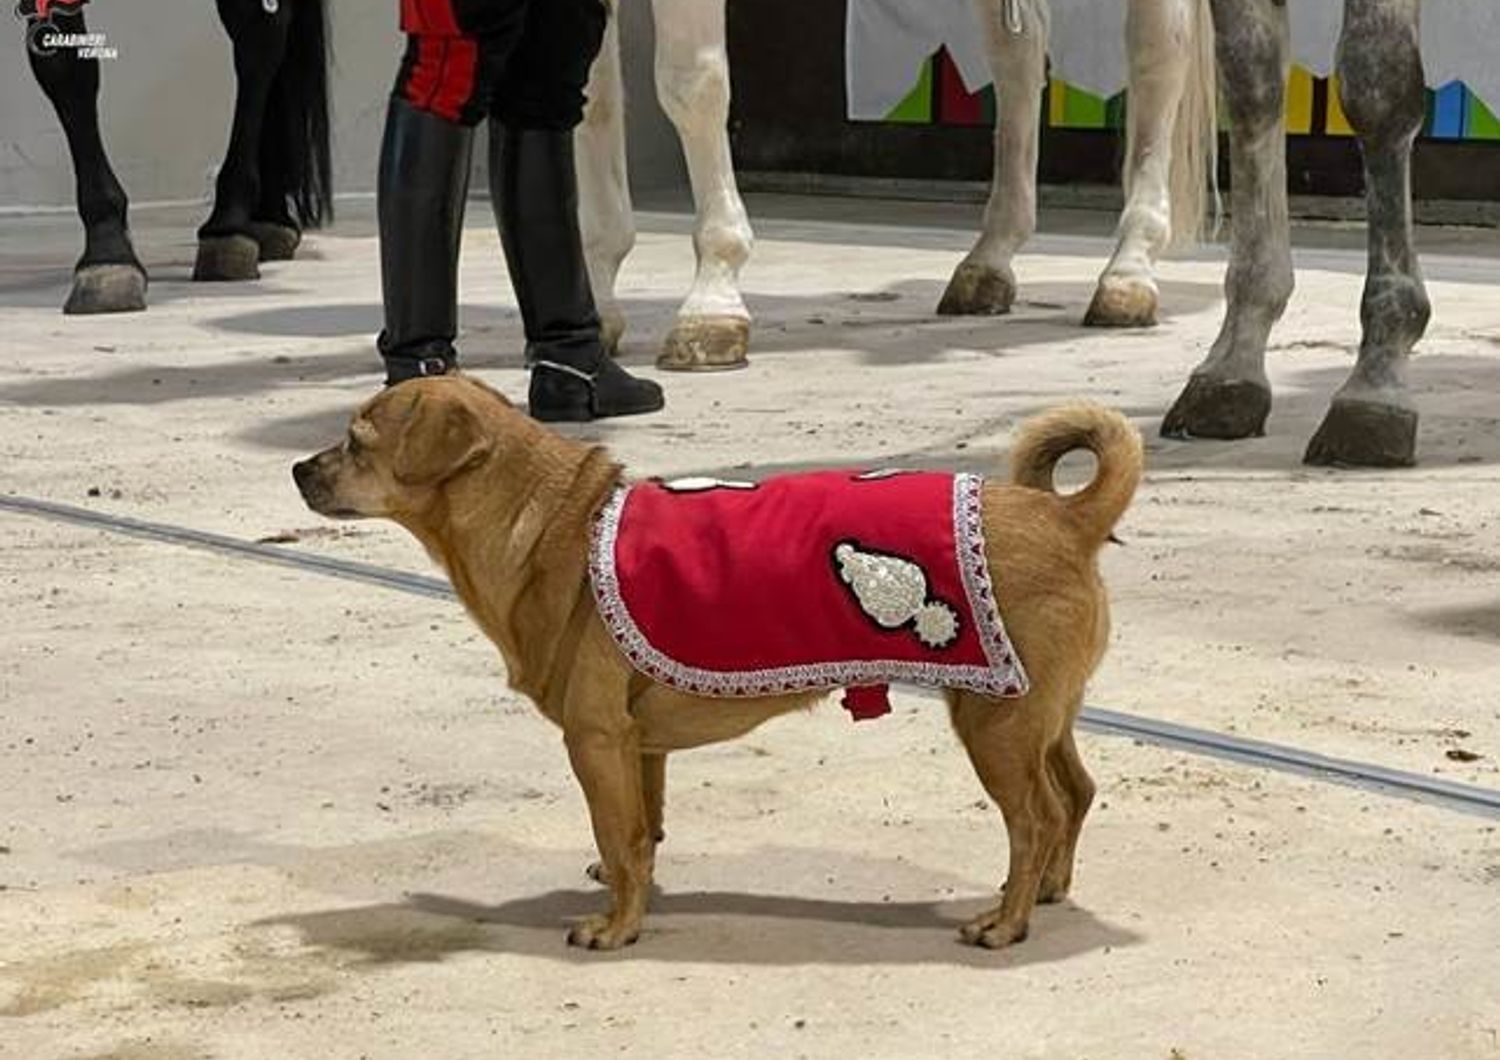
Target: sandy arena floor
point(249, 813)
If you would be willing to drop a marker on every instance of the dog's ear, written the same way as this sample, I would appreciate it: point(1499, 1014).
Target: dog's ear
point(438, 440)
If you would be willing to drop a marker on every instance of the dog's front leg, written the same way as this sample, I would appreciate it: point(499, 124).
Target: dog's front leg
point(607, 762)
point(654, 781)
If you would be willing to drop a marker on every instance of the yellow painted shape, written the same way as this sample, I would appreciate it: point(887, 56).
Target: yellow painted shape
point(1338, 122)
point(1299, 101)
point(1057, 104)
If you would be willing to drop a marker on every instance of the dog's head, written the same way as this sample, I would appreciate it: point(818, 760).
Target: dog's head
point(402, 447)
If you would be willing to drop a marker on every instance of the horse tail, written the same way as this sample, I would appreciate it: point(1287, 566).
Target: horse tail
point(296, 140)
point(1195, 134)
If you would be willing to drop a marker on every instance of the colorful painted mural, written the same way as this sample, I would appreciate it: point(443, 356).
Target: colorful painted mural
point(885, 36)
point(939, 97)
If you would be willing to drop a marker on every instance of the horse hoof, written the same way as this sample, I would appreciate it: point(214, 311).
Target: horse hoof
point(706, 344)
point(277, 242)
point(229, 258)
point(1363, 434)
point(1217, 408)
point(106, 289)
point(1122, 304)
point(611, 330)
point(978, 290)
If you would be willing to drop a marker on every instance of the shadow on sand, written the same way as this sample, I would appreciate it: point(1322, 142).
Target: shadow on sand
point(697, 927)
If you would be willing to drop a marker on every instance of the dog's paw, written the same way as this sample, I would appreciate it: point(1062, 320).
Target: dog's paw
point(991, 932)
point(597, 872)
point(602, 933)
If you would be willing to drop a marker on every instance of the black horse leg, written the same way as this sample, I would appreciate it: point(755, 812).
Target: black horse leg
point(108, 278)
point(272, 225)
point(227, 249)
point(296, 182)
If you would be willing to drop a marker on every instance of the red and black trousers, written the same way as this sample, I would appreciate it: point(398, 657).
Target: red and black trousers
point(525, 62)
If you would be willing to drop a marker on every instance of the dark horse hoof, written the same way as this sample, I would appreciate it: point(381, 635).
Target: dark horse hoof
point(1213, 408)
point(277, 242)
point(106, 289)
point(977, 290)
point(1363, 434)
point(227, 258)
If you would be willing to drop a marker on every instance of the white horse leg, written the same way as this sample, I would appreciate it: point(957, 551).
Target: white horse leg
point(984, 282)
point(605, 215)
point(1171, 129)
point(692, 82)
point(1228, 395)
point(1373, 419)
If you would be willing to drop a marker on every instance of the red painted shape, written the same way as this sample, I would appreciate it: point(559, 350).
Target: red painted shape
point(955, 105)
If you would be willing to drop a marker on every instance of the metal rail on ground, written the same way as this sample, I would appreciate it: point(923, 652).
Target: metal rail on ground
point(1465, 797)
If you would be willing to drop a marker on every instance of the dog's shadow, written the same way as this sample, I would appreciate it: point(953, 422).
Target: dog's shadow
point(697, 926)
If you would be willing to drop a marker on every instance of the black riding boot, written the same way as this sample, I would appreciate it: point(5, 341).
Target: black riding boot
point(535, 195)
point(424, 177)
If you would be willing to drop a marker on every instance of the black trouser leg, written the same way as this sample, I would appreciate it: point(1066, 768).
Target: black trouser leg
point(535, 194)
point(423, 180)
point(534, 191)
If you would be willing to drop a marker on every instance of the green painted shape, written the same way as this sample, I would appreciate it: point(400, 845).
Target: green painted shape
point(1083, 110)
point(1114, 111)
point(916, 108)
point(1483, 125)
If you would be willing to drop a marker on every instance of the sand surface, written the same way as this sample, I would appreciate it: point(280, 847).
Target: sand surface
point(248, 812)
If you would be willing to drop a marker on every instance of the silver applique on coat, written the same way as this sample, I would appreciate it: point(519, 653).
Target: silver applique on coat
point(893, 592)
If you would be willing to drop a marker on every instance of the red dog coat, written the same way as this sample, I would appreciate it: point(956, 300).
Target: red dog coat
point(824, 580)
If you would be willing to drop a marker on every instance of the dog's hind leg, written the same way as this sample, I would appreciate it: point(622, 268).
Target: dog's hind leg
point(1007, 743)
point(1076, 788)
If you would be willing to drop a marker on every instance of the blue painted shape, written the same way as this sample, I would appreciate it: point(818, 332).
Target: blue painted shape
point(1449, 105)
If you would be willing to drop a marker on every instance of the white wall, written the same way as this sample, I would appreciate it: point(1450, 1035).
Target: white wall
point(167, 100)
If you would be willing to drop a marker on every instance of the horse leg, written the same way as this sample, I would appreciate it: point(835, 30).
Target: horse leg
point(984, 282)
point(605, 213)
point(272, 226)
point(1170, 130)
point(227, 249)
point(108, 278)
point(295, 164)
point(1372, 421)
point(1228, 395)
point(692, 81)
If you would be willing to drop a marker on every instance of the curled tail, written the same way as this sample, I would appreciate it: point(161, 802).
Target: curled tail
point(1113, 439)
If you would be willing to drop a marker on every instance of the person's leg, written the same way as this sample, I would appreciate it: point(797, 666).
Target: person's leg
point(534, 190)
point(452, 56)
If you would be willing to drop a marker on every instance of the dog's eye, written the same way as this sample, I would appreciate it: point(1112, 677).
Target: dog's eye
point(353, 446)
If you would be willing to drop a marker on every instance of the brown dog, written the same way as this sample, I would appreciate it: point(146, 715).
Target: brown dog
point(505, 506)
